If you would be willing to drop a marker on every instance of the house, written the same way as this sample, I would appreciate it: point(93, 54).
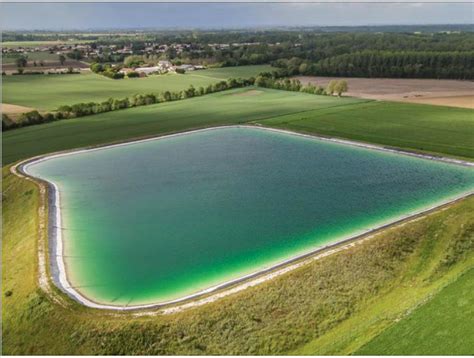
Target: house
point(147, 70)
point(186, 67)
point(126, 70)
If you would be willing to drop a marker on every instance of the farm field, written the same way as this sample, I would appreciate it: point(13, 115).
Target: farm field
point(426, 128)
point(435, 328)
point(453, 93)
point(48, 92)
point(228, 107)
point(9, 58)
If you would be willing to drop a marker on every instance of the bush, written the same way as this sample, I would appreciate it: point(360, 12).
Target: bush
point(33, 117)
point(7, 122)
point(133, 61)
point(133, 74)
point(96, 67)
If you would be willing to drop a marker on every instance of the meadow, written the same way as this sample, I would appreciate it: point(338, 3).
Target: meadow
point(48, 92)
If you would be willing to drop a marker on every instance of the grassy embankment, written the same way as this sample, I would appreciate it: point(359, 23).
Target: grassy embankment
point(441, 327)
point(48, 92)
point(335, 305)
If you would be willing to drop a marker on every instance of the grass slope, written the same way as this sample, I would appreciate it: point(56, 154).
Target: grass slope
point(48, 92)
point(441, 327)
point(228, 107)
point(426, 128)
point(335, 305)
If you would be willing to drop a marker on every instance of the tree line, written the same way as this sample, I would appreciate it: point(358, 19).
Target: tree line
point(114, 104)
point(274, 80)
point(400, 64)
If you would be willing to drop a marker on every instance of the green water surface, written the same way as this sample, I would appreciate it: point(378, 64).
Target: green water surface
point(154, 221)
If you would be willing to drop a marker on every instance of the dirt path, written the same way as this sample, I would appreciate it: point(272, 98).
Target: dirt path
point(453, 93)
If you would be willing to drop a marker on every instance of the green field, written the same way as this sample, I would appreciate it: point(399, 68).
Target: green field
point(434, 329)
point(229, 107)
point(48, 92)
point(332, 306)
point(32, 56)
point(435, 129)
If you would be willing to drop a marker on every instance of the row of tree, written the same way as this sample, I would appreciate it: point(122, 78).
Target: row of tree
point(270, 80)
point(85, 109)
point(22, 60)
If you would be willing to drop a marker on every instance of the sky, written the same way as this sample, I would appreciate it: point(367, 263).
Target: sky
point(90, 16)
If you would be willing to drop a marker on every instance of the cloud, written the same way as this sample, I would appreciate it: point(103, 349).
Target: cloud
point(77, 16)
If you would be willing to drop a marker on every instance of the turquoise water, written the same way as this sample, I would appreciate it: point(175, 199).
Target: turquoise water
point(158, 220)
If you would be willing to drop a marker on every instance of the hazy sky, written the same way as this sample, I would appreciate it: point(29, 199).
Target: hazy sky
point(64, 16)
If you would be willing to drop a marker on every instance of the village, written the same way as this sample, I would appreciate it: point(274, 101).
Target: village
point(64, 58)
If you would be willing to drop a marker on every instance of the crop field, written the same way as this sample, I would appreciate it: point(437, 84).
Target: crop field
point(228, 107)
point(426, 128)
point(48, 92)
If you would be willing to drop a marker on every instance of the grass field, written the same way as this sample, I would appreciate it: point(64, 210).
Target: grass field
point(48, 92)
point(434, 329)
point(334, 305)
point(227, 107)
point(32, 56)
point(435, 129)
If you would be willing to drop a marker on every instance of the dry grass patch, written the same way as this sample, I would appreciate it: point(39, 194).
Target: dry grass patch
point(14, 111)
